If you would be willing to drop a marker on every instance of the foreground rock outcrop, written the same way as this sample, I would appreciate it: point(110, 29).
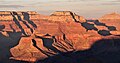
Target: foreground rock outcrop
point(36, 37)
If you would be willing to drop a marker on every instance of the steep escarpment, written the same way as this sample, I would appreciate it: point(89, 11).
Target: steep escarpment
point(29, 36)
point(110, 17)
point(25, 29)
point(5, 16)
point(112, 20)
point(19, 21)
point(14, 25)
point(65, 16)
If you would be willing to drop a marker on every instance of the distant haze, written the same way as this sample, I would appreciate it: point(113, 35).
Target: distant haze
point(86, 8)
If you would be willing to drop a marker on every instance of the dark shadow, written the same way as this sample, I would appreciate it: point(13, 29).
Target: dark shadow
point(90, 20)
point(35, 45)
point(47, 35)
point(19, 18)
point(111, 28)
point(27, 18)
point(54, 38)
point(107, 50)
point(89, 26)
point(2, 27)
point(12, 28)
point(6, 43)
point(17, 22)
point(102, 51)
point(28, 26)
point(104, 32)
point(61, 45)
point(15, 13)
point(64, 36)
point(99, 23)
point(67, 41)
point(47, 42)
point(73, 17)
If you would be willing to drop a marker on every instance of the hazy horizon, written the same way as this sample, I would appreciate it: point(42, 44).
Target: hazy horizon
point(86, 8)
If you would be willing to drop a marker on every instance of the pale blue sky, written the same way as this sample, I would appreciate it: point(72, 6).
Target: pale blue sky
point(86, 8)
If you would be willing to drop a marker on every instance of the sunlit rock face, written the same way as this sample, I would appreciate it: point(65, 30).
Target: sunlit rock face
point(110, 17)
point(41, 36)
point(112, 20)
point(19, 21)
point(5, 15)
point(39, 48)
point(65, 16)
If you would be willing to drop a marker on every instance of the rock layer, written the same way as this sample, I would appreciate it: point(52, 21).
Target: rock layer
point(65, 16)
point(112, 20)
point(42, 36)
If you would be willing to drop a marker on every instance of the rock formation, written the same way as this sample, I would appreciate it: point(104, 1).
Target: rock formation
point(19, 21)
point(112, 20)
point(5, 16)
point(65, 16)
point(110, 17)
point(36, 37)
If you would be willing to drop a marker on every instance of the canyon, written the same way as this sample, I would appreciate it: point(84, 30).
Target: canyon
point(28, 36)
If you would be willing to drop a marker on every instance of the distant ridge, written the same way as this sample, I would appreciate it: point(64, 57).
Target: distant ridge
point(111, 16)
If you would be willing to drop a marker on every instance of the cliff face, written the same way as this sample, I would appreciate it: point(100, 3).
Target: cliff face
point(35, 37)
point(111, 19)
point(5, 16)
point(19, 21)
point(65, 16)
point(26, 20)
point(28, 28)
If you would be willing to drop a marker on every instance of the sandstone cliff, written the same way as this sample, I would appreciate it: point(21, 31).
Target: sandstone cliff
point(110, 17)
point(111, 20)
point(65, 16)
point(19, 21)
point(34, 37)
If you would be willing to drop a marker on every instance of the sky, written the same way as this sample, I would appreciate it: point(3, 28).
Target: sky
point(86, 8)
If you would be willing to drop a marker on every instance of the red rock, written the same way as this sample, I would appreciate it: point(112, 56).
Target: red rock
point(63, 43)
point(115, 32)
point(101, 27)
point(111, 20)
point(110, 17)
point(65, 16)
point(5, 34)
point(25, 51)
point(62, 31)
point(19, 21)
